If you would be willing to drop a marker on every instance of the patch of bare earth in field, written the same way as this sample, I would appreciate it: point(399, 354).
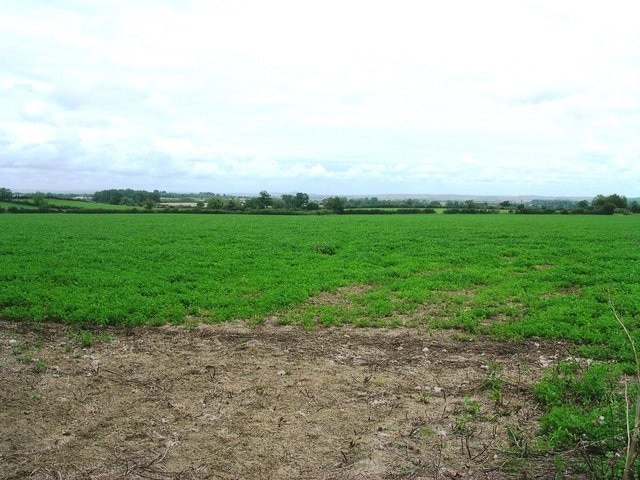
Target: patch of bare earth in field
point(246, 402)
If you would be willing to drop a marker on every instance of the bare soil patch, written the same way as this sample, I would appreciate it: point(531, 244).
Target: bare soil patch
point(339, 297)
point(251, 402)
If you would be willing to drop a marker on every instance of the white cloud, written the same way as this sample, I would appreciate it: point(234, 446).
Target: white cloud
point(24, 134)
point(367, 97)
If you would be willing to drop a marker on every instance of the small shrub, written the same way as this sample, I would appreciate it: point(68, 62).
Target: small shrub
point(494, 382)
point(27, 358)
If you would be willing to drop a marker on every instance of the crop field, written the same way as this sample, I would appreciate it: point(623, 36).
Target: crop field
point(70, 205)
point(10, 205)
point(517, 276)
point(546, 288)
point(80, 204)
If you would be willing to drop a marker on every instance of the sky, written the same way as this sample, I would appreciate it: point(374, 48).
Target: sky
point(342, 97)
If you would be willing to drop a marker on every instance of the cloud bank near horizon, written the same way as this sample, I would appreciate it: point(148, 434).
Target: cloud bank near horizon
point(332, 97)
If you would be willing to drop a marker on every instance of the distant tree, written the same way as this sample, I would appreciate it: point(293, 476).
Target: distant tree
point(200, 204)
point(634, 207)
point(5, 194)
point(287, 202)
point(114, 197)
point(582, 207)
point(40, 201)
point(277, 203)
point(265, 199)
point(299, 201)
point(606, 209)
point(215, 203)
point(126, 196)
point(234, 205)
point(261, 202)
point(618, 201)
point(335, 204)
point(149, 203)
point(505, 204)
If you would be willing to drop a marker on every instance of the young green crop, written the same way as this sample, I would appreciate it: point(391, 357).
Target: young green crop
point(507, 275)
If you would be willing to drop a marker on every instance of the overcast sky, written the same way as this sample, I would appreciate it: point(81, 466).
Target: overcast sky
point(329, 97)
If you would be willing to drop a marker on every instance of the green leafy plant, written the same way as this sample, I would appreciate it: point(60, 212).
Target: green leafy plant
point(494, 382)
point(589, 412)
point(40, 366)
point(26, 358)
point(469, 411)
point(87, 338)
point(518, 439)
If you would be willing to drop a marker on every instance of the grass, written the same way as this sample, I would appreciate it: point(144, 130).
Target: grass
point(86, 338)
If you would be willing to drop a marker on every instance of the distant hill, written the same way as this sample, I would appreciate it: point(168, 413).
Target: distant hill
point(475, 198)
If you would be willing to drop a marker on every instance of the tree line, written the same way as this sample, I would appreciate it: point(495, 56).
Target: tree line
point(127, 197)
point(600, 205)
point(300, 202)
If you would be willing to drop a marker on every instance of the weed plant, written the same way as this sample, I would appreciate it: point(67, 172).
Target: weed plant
point(587, 411)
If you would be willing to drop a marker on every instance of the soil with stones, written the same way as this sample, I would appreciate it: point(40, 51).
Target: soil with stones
point(234, 401)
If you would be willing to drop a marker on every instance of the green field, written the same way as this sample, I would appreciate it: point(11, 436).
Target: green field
point(517, 276)
point(509, 276)
point(65, 204)
point(14, 205)
point(57, 202)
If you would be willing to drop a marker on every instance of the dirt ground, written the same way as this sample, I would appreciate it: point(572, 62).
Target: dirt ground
point(235, 401)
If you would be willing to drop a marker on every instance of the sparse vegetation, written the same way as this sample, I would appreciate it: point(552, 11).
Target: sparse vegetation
point(87, 338)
